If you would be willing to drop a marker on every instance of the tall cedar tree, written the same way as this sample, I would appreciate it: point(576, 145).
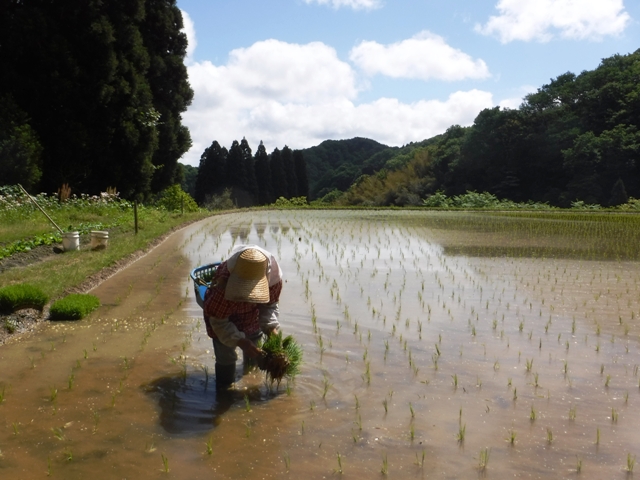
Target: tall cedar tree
point(263, 175)
point(289, 171)
point(249, 182)
point(166, 44)
point(300, 167)
point(212, 171)
point(79, 70)
point(278, 176)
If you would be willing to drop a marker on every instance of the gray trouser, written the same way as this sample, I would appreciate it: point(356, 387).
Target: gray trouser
point(228, 355)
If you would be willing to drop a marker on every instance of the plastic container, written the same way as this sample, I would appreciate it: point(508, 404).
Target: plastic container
point(71, 241)
point(99, 239)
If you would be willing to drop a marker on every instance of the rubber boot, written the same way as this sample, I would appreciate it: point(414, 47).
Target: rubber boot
point(225, 376)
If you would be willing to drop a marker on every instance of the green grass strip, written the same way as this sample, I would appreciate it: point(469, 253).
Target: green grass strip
point(73, 307)
point(15, 297)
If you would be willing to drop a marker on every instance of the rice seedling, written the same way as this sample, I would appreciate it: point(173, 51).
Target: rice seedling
point(483, 459)
point(572, 413)
point(247, 404)
point(287, 461)
point(385, 465)
point(549, 436)
point(578, 464)
point(385, 404)
point(631, 462)
point(597, 436)
point(614, 415)
point(420, 460)
point(462, 430)
point(339, 469)
point(512, 437)
point(165, 463)
point(532, 414)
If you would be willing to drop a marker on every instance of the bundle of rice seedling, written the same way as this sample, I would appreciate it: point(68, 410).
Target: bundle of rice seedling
point(281, 357)
point(16, 297)
point(73, 307)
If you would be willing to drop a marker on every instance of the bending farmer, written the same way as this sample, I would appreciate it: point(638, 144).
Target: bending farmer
point(240, 305)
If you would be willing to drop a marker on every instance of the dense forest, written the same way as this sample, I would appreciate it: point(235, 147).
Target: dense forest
point(91, 95)
point(249, 179)
point(576, 138)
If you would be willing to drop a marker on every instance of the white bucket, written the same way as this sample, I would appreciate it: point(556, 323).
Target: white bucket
point(99, 239)
point(71, 241)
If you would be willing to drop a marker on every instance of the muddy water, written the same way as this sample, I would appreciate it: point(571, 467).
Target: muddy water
point(417, 359)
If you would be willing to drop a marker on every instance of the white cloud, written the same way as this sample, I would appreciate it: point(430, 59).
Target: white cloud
point(355, 4)
point(542, 20)
point(190, 31)
point(301, 95)
point(424, 56)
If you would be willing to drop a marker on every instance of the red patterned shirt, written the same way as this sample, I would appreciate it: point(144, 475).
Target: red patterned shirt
point(244, 315)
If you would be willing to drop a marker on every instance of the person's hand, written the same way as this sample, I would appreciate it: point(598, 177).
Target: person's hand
point(249, 349)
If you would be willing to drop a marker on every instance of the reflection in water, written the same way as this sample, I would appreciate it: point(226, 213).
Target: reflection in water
point(240, 231)
point(260, 228)
point(192, 404)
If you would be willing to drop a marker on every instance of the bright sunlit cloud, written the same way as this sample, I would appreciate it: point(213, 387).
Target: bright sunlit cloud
point(542, 20)
point(425, 56)
point(301, 95)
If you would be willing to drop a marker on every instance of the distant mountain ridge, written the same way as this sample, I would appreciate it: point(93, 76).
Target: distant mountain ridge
point(338, 163)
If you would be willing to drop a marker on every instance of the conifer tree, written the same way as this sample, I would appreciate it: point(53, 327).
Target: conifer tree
point(278, 176)
point(211, 179)
point(300, 166)
point(289, 171)
point(263, 175)
point(249, 181)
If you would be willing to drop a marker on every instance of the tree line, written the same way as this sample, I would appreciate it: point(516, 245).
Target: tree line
point(574, 139)
point(258, 179)
point(91, 95)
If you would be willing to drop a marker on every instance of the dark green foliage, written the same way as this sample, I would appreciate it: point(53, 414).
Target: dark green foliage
point(263, 176)
point(618, 194)
point(174, 199)
point(289, 172)
point(20, 149)
point(300, 167)
point(73, 307)
point(324, 159)
point(279, 186)
point(282, 357)
point(166, 45)
point(103, 85)
point(189, 176)
point(212, 172)
point(15, 297)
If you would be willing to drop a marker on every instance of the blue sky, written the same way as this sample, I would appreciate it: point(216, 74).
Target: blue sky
point(297, 72)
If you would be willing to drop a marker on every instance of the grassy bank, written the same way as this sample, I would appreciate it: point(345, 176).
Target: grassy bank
point(22, 226)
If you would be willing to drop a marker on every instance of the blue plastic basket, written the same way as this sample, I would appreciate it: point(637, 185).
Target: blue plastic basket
point(201, 277)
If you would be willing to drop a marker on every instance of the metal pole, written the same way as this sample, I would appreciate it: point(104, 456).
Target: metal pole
point(40, 208)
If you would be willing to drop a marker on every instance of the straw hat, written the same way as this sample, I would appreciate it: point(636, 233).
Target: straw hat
point(248, 280)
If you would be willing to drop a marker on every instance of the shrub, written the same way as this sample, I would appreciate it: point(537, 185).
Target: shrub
point(220, 202)
point(438, 199)
point(15, 297)
point(292, 202)
point(73, 307)
point(173, 199)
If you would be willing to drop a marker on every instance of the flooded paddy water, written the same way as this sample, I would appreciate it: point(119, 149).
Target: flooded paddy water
point(435, 347)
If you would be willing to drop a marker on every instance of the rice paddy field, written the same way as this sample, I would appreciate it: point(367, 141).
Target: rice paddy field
point(436, 345)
